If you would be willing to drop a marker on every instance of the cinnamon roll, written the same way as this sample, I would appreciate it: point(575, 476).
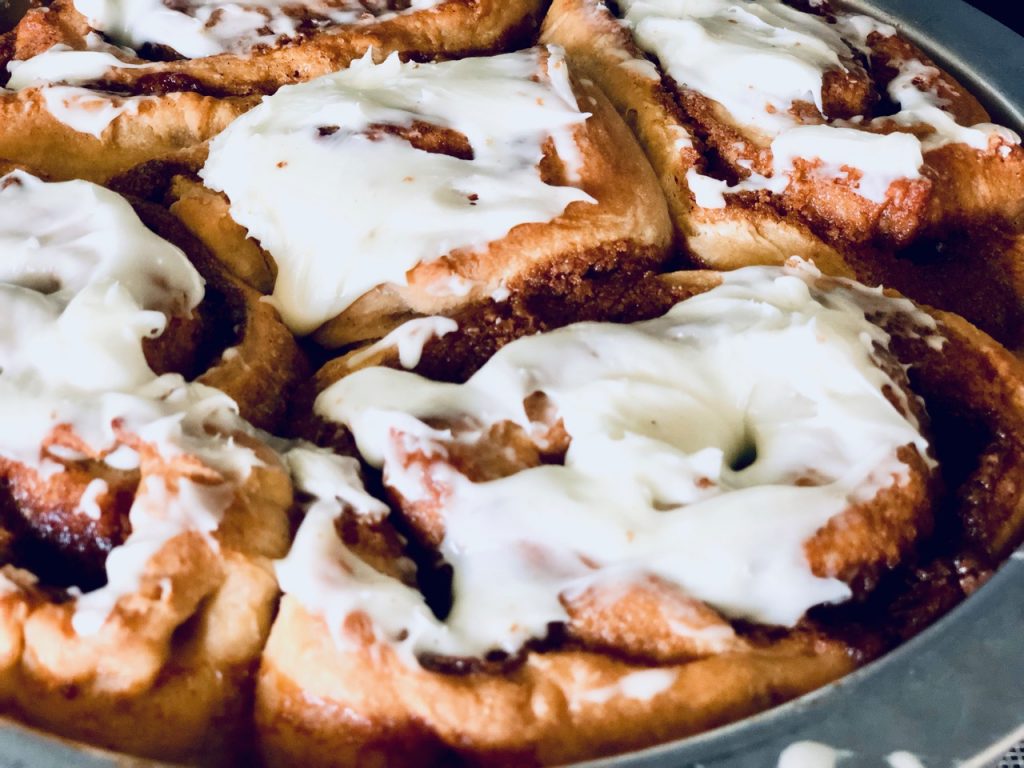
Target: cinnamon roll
point(777, 131)
point(138, 510)
point(613, 534)
point(224, 47)
point(389, 191)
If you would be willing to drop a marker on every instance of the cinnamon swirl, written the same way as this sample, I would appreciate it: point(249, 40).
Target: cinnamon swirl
point(93, 89)
point(59, 116)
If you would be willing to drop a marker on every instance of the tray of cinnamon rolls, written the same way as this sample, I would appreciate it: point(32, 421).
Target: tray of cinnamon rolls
point(508, 383)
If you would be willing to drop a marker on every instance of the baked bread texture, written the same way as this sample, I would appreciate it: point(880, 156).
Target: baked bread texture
point(60, 116)
point(244, 48)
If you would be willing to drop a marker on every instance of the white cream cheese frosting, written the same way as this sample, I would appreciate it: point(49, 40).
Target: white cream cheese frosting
point(196, 28)
point(757, 59)
point(749, 414)
point(65, 65)
point(344, 207)
point(82, 283)
point(86, 111)
point(877, 159)
point(639, 686)
point(920, 106)
point(810, 754)
point(880, 159)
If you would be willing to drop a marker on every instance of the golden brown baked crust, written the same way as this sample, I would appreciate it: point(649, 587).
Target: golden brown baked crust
point(30, 134)
point(172, 675)
point(961, 184)
point(165, 677)
point(154, 127)
point(248, 352)
point(189, 101)
point(320, 707)
point(151, 122)
point(977, 274)
point(603, 50)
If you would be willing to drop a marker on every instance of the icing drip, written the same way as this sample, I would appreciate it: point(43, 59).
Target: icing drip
point(856, 29)
point(409, 339)
point(880, 158)
point(319, 566)
point(344, 209)
point(82, 284)
point(923, 107)
point(196, 28)
point(59, 73)
point(690, 448)
point(919, 106)
point(61, 64)
point(873, 161)
point(85, 111)
point(641, 686)
point(88, 505)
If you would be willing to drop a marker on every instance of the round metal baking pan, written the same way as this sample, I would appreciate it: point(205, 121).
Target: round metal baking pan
point(952, 696)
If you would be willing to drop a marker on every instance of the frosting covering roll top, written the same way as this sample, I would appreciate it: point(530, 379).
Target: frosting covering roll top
point(352, 179)
point(750, 414)
point(62, 64)
point(78, 255)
